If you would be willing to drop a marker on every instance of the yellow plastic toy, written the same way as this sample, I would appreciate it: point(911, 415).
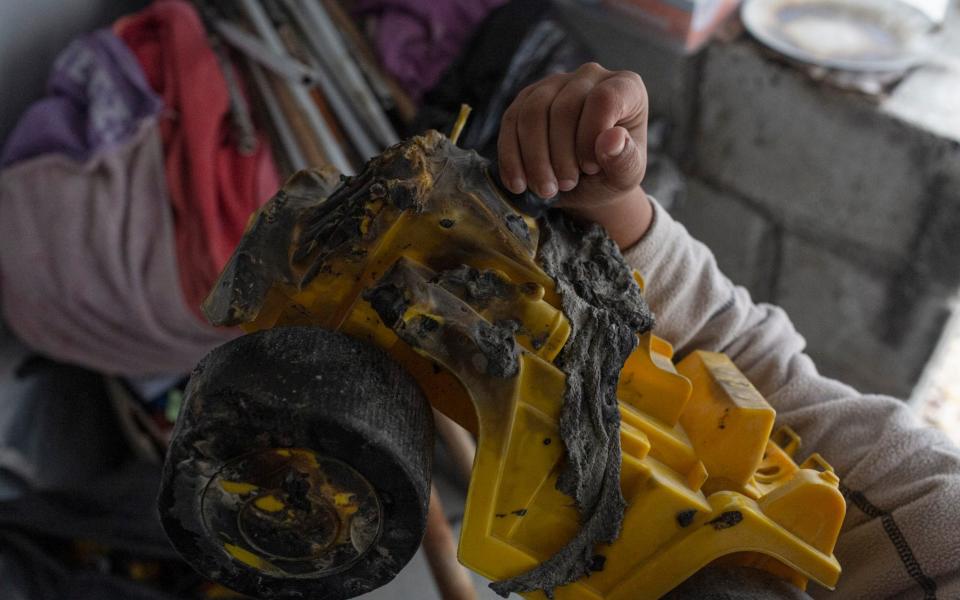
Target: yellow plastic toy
point(705, 476)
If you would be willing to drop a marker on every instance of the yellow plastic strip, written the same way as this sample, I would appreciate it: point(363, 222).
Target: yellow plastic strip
point(461, 121)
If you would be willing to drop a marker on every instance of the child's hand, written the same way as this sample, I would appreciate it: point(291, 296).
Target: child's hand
point(584, 135)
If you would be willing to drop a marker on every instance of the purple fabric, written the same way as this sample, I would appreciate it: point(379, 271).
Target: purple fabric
point(97, 95)
point(417, 40)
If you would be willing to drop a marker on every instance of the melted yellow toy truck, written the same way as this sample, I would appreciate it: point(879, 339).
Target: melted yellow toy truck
point(300, 464)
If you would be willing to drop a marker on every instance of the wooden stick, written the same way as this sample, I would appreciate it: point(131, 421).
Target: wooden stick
point(458, 441)
point(452, 579)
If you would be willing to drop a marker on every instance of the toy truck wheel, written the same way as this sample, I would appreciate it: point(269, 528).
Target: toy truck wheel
point(299, 466)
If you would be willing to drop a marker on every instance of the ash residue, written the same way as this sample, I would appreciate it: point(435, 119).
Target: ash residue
point(606, 311)
point(685, 517)
point(726, 520)
point(477, 287)
point(389, 302)
point(498, 344)
point(518, 227)
point(262, 258)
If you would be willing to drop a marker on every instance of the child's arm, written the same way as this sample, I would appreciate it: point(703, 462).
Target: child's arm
point(901, 538)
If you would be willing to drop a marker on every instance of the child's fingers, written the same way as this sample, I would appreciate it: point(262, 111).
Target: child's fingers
point(621, 159)
point(533, 132)
point(620, 99)
point(508, 148)
point(549, 134)
point(564, 116)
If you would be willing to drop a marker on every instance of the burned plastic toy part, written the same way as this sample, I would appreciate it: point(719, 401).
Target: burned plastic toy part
point(299, 466)
point(422, 256)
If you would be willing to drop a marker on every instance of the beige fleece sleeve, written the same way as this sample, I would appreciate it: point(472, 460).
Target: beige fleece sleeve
point(901, 479)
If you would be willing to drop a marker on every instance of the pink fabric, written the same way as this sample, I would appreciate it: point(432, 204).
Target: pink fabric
point(88, 263)
point(213, 187)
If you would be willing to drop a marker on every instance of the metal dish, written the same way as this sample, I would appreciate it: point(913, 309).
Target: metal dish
point(854, 35)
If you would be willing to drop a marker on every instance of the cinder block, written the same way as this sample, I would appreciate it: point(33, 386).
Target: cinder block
point(857, 330)
point(743, 241)
point(937, 253)
point(818, 159)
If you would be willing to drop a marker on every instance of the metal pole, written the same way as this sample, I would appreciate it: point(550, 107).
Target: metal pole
point(325, 39)
point(290, 147)
point(301, 96)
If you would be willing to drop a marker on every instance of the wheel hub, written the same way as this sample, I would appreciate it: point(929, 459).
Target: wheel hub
point(292, 512)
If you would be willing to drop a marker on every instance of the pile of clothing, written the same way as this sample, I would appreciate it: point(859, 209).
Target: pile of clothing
point(123, 195)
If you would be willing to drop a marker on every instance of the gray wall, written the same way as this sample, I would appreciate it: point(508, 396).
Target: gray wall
point(822, 202)
point(32, 32)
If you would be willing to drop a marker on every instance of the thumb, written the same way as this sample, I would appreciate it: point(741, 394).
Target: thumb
point(622, 161)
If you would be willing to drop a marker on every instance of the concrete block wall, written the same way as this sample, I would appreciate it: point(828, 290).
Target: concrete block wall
point(822, 202)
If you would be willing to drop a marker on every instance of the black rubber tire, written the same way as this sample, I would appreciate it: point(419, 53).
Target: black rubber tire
point(309, 388)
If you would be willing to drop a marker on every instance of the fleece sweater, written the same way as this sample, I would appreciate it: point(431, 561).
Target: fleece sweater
point(901, 478)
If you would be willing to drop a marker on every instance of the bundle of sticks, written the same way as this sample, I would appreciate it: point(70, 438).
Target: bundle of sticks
point(313, 78)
